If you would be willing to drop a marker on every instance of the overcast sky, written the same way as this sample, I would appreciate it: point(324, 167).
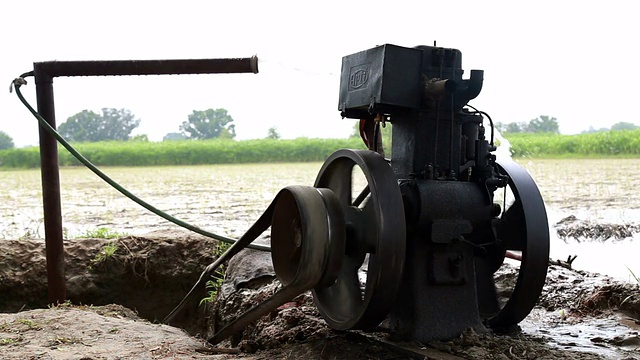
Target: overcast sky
point(576, 61)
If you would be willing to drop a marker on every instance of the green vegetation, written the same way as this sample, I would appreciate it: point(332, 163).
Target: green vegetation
point(174, 136)
point(624, 126)
point(30, 324)
point(209, 124)
point(216, 279)
point(63, 305)
point(104, 254)
point(9, 341)
point(273, 133)
point(112, 124)
point(587, 145)
point(102, 233)
point(216, 151)
point(6, 142)
point(625, 143)
point(385, 131)
point(541, 124)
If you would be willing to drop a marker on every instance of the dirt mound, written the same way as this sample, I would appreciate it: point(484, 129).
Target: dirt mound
point(580, 315)
point(104, 332)
point(582, 293)
point(149, 273)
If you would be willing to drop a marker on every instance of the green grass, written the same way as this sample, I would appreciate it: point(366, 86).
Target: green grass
point(8, 341)
point(105, 253)
point(29, 324)
point(139, 153)
point(606, 144)
point(223, 151)
point(213, 285)
point(102, 233)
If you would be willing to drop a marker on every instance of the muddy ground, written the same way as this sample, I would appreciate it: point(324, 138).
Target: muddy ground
point(580, 315)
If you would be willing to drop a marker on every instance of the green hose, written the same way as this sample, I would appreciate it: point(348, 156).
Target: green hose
point(20, 81)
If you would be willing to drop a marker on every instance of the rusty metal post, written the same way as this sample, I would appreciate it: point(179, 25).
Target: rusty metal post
point(56, 287)
point(44, 73)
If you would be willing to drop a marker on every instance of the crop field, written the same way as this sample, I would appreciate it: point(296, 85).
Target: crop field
point(168, 153)
point(609, 144)
point(597, 144)
point(227, 199)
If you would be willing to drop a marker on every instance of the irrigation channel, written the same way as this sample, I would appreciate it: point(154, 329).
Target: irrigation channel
point(226, 199)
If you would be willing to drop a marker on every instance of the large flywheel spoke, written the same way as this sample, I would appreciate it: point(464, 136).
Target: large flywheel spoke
point(344, 297)
point(523, 230)
point(375, 244)
point(364, 195)
point(341, 186)
point(368, 216)
point(510, 230)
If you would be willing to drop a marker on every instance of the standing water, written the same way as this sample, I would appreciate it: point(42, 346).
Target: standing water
point(228, 198)
point(596, 197)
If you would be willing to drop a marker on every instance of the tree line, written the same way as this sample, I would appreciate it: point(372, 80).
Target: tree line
point(118, 124)
point(549, 125)
point(541, 124)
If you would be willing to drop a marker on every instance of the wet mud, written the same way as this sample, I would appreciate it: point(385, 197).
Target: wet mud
point(580, 315)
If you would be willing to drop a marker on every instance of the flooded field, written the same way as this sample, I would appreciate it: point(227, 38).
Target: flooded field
point(227, 199)
point(600, 191)
point(224, 198)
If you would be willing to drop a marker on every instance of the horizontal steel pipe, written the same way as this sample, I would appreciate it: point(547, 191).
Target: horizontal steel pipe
point(148, 67)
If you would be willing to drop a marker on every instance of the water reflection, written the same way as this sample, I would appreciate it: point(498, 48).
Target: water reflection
point(598, 191)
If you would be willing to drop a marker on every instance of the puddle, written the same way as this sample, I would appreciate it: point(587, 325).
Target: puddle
point(608, 337)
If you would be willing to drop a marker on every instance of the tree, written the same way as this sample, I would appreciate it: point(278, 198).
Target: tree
point(113, 124)
point(209, 124)
point(6, 142)
point(140, 138)
point(515, 127)
point(118, 124)
point(273, 133)
point(624, 126)
point(173, 136)
point(593, 130)
point(543, 124)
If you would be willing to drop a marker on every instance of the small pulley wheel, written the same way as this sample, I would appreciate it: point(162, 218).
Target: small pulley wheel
point(307, 243)
point(307, 235)
point(522, 230)
point(372, 265)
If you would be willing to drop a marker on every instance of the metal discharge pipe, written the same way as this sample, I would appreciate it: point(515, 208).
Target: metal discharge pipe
point(44, 72)
point(149, 67)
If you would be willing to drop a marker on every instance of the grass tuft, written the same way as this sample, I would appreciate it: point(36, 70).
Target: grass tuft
point(213, 285)
point(104, 254)
point(102, 233)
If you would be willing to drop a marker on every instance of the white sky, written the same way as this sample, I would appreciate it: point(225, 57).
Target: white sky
point(576, 61)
